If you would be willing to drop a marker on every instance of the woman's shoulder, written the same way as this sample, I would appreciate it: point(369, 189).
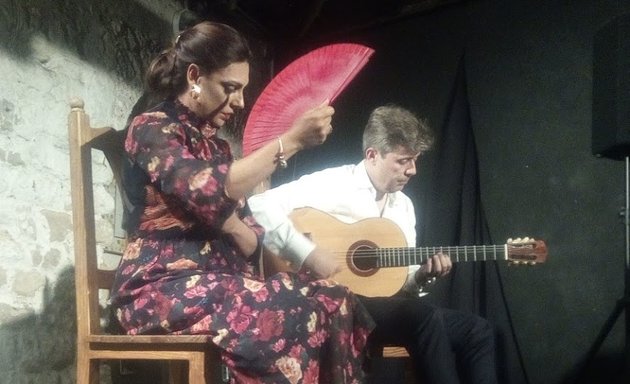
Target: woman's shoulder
point(150, 118)
point(156, 115)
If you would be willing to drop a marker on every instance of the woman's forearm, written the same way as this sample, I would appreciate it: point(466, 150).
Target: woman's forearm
point(250, 171)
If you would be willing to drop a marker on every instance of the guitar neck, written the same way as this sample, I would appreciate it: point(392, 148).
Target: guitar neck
point(404, 256)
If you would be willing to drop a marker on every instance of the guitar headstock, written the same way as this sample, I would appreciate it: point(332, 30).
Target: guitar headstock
point(526, 251)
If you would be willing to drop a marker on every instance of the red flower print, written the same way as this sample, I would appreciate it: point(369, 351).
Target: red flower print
point(270, 324)
point(133, 250)
point(311, 375)
point(290, 368)
point(239, 318)
point(279, 345)
point(330, 304)
point(202, 325)
point(261, 295)
point(196, 291)
point(141, 303)
point(181, 264)
point(296, 351)
point(317, 339)
point(199, 179)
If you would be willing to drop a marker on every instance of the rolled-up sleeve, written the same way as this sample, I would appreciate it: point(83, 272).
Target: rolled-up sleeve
point(281, 237)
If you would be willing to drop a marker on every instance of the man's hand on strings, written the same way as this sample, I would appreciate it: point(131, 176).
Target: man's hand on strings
point(437, 265)
point(321, 263)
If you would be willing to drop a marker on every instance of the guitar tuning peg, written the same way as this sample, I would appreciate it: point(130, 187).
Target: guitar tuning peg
point(518, 240)
point(510, 241)
point(526, 239)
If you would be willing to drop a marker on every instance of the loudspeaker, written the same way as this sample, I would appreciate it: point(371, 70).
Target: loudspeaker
point(611, 89)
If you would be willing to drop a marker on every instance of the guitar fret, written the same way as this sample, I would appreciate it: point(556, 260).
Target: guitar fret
point(404, 256)
point(392, 257)
point(395, 257)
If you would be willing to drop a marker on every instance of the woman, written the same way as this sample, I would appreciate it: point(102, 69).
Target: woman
point(191, 263)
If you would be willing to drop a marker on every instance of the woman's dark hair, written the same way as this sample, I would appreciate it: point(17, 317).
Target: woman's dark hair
point(210, 45)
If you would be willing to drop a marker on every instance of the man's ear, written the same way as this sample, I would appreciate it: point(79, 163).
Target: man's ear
point(371, 154)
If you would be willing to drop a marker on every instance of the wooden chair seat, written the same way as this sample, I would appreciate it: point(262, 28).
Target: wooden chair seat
point(191, 358)
point(394, 352)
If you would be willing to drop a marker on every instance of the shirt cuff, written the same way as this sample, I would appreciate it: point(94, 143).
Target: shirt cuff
point(411, 285)
point(296, 249)
point(289, 244)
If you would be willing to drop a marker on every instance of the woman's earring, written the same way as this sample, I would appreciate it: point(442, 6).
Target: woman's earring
point(195, 91)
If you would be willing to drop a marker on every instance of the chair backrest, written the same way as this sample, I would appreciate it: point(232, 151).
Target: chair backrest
point(89, 279)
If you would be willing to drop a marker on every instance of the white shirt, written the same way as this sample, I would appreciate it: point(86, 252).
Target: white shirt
point(344, 192)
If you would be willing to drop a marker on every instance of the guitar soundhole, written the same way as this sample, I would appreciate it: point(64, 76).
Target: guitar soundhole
point(362, 258)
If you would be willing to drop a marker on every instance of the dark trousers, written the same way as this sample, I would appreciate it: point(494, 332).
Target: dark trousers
point(445, 346)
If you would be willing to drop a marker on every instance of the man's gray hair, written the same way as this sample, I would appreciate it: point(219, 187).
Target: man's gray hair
point(390, 127)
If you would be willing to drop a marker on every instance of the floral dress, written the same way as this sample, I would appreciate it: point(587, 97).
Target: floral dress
point(180, 275)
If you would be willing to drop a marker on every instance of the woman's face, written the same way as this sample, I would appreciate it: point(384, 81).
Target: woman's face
point(222, 93)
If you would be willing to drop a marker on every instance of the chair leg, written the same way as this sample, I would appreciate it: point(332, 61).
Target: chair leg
point(88, 370)
point(197, 368)
point(176, 372)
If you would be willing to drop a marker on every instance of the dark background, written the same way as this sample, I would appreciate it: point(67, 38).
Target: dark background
point(529, 67)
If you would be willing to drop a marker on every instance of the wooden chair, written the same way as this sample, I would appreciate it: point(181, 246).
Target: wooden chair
point(93, 343)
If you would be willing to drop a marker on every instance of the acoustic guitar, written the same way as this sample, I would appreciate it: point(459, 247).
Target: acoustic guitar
point(374, 257)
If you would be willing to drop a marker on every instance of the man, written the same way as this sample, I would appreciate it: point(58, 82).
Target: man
point(445, 346)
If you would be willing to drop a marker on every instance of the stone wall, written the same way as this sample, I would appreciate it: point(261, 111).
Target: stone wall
point(52, 51)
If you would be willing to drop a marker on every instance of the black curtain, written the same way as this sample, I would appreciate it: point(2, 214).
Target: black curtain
point(450, 212)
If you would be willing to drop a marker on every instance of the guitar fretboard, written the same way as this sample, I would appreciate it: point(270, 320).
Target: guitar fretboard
point(404, 256)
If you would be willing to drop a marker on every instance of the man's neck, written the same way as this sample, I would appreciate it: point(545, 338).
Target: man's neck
point(381, 197)
point(381, 202)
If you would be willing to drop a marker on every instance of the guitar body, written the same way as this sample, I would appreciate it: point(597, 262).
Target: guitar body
point(344, 240)
point(374, 255)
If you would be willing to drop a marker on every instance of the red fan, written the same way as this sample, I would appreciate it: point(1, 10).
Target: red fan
point(304, 84)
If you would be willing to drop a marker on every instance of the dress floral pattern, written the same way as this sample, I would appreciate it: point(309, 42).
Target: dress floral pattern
point(180, 275)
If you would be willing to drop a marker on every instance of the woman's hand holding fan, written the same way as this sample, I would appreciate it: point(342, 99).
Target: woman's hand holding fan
point(310, 129)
